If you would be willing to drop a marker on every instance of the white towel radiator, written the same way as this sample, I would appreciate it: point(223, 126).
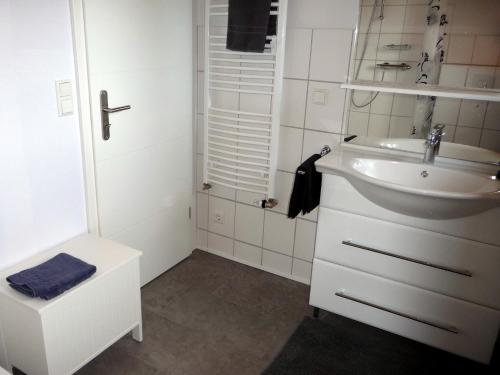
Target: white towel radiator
point(240, 140)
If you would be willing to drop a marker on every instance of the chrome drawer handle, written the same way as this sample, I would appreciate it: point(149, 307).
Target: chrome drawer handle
point(386, 309)
point(428, 264)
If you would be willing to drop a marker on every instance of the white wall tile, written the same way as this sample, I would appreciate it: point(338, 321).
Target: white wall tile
point(279, 233)
point(382, 105)
point(293, 103)
point(388, 54)
point(202, 210)
point(278, 262)
point(222, 192)
point(416, 43)
point(446, 111)
point(371, 47)
point(405, 76)
point(491, 140)
point(366, 71)
point(225, 207)
point(449, 133)
point(283, 190)
point(248, 253)
point(311, 216)
point(302, 269)
point(481, 76)
point(394, 19)
point(453, 75)
point(486, 50)
point(460, 49)
point(400, 127)
point(497, 76)
point(378, 125)
point(249, 197)
point(220, 243)
point(404, 105)
point(314, 142)
point(297, 53)
point(467, 136)
point(325, 107)
point(472, 113)
point(358, 123)
point(330, 55)
point(249, 224)
point(492, 119)
point(323, 13)
point(305, 237)
point(364, 21)
point(290, 148)
point(415, 19)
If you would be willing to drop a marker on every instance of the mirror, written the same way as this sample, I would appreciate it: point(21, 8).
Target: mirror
point(450, 43)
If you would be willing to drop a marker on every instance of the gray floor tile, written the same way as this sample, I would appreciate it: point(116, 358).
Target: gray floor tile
point(209, 315)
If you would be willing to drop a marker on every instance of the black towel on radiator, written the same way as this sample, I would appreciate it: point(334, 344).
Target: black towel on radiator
point(306, 188)
point(248, 25)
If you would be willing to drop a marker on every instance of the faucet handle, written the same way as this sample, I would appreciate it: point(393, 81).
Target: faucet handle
point(438, 129)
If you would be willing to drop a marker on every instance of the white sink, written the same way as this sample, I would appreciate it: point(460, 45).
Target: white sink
point(409, 187)
point(447, 149)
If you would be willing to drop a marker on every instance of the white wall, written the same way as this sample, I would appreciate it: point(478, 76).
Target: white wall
point(41, 179)
point(318, 48)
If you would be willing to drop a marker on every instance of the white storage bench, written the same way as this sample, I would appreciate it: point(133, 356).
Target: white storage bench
point(60, 336)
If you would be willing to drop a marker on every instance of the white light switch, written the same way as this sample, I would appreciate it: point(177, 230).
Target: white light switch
point(64, 96)
point(320, 97)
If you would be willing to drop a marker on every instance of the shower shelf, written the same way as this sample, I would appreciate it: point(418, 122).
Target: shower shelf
point(428, 90)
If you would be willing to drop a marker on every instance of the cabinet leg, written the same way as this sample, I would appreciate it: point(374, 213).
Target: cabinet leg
point(137, 333)
point(316, 313)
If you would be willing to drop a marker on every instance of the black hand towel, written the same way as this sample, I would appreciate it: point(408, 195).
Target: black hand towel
point(248, 25)
point(306, 188)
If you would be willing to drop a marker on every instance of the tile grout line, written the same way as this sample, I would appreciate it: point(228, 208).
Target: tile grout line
point(253, 245)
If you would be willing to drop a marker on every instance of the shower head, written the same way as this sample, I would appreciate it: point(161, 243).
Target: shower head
point(382, 5)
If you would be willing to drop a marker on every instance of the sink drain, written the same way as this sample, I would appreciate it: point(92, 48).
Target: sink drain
point(424, 174)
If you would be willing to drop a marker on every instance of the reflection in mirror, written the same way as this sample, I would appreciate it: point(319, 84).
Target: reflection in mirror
point(452, 43)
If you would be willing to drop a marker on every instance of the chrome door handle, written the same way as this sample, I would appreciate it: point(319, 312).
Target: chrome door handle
point(412, 260)
point(117, 109)
point(444, 327)
point(105, 111)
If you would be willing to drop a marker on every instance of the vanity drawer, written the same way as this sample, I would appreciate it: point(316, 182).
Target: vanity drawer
point(337, 193)
point(447, 323)
point(456, 267)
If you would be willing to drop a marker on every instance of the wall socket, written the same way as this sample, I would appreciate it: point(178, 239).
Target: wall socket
point(219, 217)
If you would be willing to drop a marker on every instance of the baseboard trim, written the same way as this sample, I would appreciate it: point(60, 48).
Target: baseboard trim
point(257, 266)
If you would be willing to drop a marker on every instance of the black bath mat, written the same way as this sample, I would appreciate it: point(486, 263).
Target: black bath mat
point(335, 345)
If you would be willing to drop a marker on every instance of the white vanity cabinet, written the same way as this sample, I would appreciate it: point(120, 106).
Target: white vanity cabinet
point(434, 281)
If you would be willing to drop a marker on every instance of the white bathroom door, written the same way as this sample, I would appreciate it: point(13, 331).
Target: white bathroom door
point(140, 52)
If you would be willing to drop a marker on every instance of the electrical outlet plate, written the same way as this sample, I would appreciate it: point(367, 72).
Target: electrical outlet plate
point(219, 217)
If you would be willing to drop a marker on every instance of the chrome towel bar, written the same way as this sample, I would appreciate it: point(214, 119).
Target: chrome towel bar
point(444, 327)
point(402, 257)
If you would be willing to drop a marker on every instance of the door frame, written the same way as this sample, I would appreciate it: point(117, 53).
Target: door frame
point(85, 114)
point(82, 86)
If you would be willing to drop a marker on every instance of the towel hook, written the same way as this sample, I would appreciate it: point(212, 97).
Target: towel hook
point(325, 150)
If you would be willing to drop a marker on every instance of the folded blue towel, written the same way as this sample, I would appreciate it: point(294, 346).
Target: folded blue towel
point(51, 278)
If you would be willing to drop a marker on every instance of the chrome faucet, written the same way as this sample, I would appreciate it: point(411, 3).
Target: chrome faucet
point(432, 143)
